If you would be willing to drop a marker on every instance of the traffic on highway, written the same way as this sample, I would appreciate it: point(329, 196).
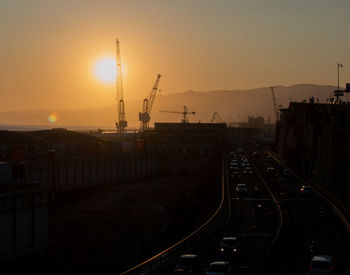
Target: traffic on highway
point(277, 225)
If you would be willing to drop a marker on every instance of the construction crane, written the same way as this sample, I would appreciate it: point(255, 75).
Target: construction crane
point(122, 123)
point(145, 116)
point(274, 104)
point(216, 118)
point(184, 113)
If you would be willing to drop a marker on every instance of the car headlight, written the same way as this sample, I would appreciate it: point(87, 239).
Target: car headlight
point(234, 250)
point(222, 249)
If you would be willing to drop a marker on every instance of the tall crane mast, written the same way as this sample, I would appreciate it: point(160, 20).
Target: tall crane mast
point(122, 123)
point(145, 116)
point(184, 113)
point(274, 104)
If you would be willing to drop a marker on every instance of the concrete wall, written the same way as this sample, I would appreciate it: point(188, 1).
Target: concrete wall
point(315, 139)
point(80, 172)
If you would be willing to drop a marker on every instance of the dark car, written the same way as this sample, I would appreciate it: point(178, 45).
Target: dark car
point(306, 191)
point(219, 268)
point(270, 171)
point(188, 264)
point(229, 246)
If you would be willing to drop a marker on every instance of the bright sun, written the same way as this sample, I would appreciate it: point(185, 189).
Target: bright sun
point(105, 69)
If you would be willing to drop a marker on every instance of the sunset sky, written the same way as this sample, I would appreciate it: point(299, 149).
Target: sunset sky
point(49, 48)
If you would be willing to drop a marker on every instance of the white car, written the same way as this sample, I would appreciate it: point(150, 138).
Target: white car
point(241, 188)
point(219, 268)
point(321, 265)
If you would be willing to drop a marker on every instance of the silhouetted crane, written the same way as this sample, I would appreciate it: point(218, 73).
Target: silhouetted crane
point(122, 123)
point(145, 116)
point(216, 118)
point(184, 113)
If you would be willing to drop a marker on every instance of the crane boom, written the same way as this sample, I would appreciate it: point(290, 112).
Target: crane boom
point(153, 94)
point(122, 123)
point(184, 113)
point(274, 104)
point(145, 116)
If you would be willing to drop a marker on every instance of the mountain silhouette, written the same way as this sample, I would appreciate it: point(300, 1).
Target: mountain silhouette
point(233, 106)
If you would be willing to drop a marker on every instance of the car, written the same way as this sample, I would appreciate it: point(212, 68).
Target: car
point(229, 246)
point(234, 168)
point(219, 268)
point(245, 163)
point(314, 247)
point(241, 188)
point(306, 191)
point(188, 264)
point(270, 171)
point(321, 265)
point(239, 150)
point(248, 171)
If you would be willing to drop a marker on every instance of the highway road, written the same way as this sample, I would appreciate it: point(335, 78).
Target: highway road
point(307, 219)
point(254, 222)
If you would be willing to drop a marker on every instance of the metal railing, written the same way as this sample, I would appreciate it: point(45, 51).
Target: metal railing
point(280, 215)
point(333, 203)
point(170, 255)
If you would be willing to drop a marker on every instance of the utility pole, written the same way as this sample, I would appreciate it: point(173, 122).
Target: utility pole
point(339, 66)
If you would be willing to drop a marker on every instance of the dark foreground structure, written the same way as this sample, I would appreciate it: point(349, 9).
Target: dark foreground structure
point(315, 139)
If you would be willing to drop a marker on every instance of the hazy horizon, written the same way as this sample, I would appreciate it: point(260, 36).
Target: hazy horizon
point(233, 106)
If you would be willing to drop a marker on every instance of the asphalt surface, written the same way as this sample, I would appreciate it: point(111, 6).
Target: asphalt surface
point(254, 222)
point(306, 219)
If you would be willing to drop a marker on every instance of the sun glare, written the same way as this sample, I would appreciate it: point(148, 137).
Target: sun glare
point(105, 70)
point(52, 118)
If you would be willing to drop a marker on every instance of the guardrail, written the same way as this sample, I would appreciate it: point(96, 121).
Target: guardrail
point(336, 205)
point(280, 216)
point(169, 256)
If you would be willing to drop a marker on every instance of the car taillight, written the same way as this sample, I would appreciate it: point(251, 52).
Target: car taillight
point(331, 268)
point(310, 266)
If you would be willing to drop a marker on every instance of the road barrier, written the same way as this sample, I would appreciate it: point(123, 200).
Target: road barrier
point(333, 203)
point(169, 256)
point(280, 214)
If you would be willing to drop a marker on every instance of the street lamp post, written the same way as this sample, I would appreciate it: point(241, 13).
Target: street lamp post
point(339, 66)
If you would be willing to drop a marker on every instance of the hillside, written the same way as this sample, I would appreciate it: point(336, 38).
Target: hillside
point(233, 105)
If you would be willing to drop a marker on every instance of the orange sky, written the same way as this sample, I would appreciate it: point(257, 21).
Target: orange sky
point(48, 47)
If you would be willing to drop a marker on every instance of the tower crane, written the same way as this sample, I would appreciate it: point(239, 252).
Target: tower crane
point(145, 116)
point(122, 123)
point(216, 118)
point(274, 104)
point(184, 113)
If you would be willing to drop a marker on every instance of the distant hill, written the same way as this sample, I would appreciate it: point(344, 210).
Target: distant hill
point(233, 105)
point(45, 137)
